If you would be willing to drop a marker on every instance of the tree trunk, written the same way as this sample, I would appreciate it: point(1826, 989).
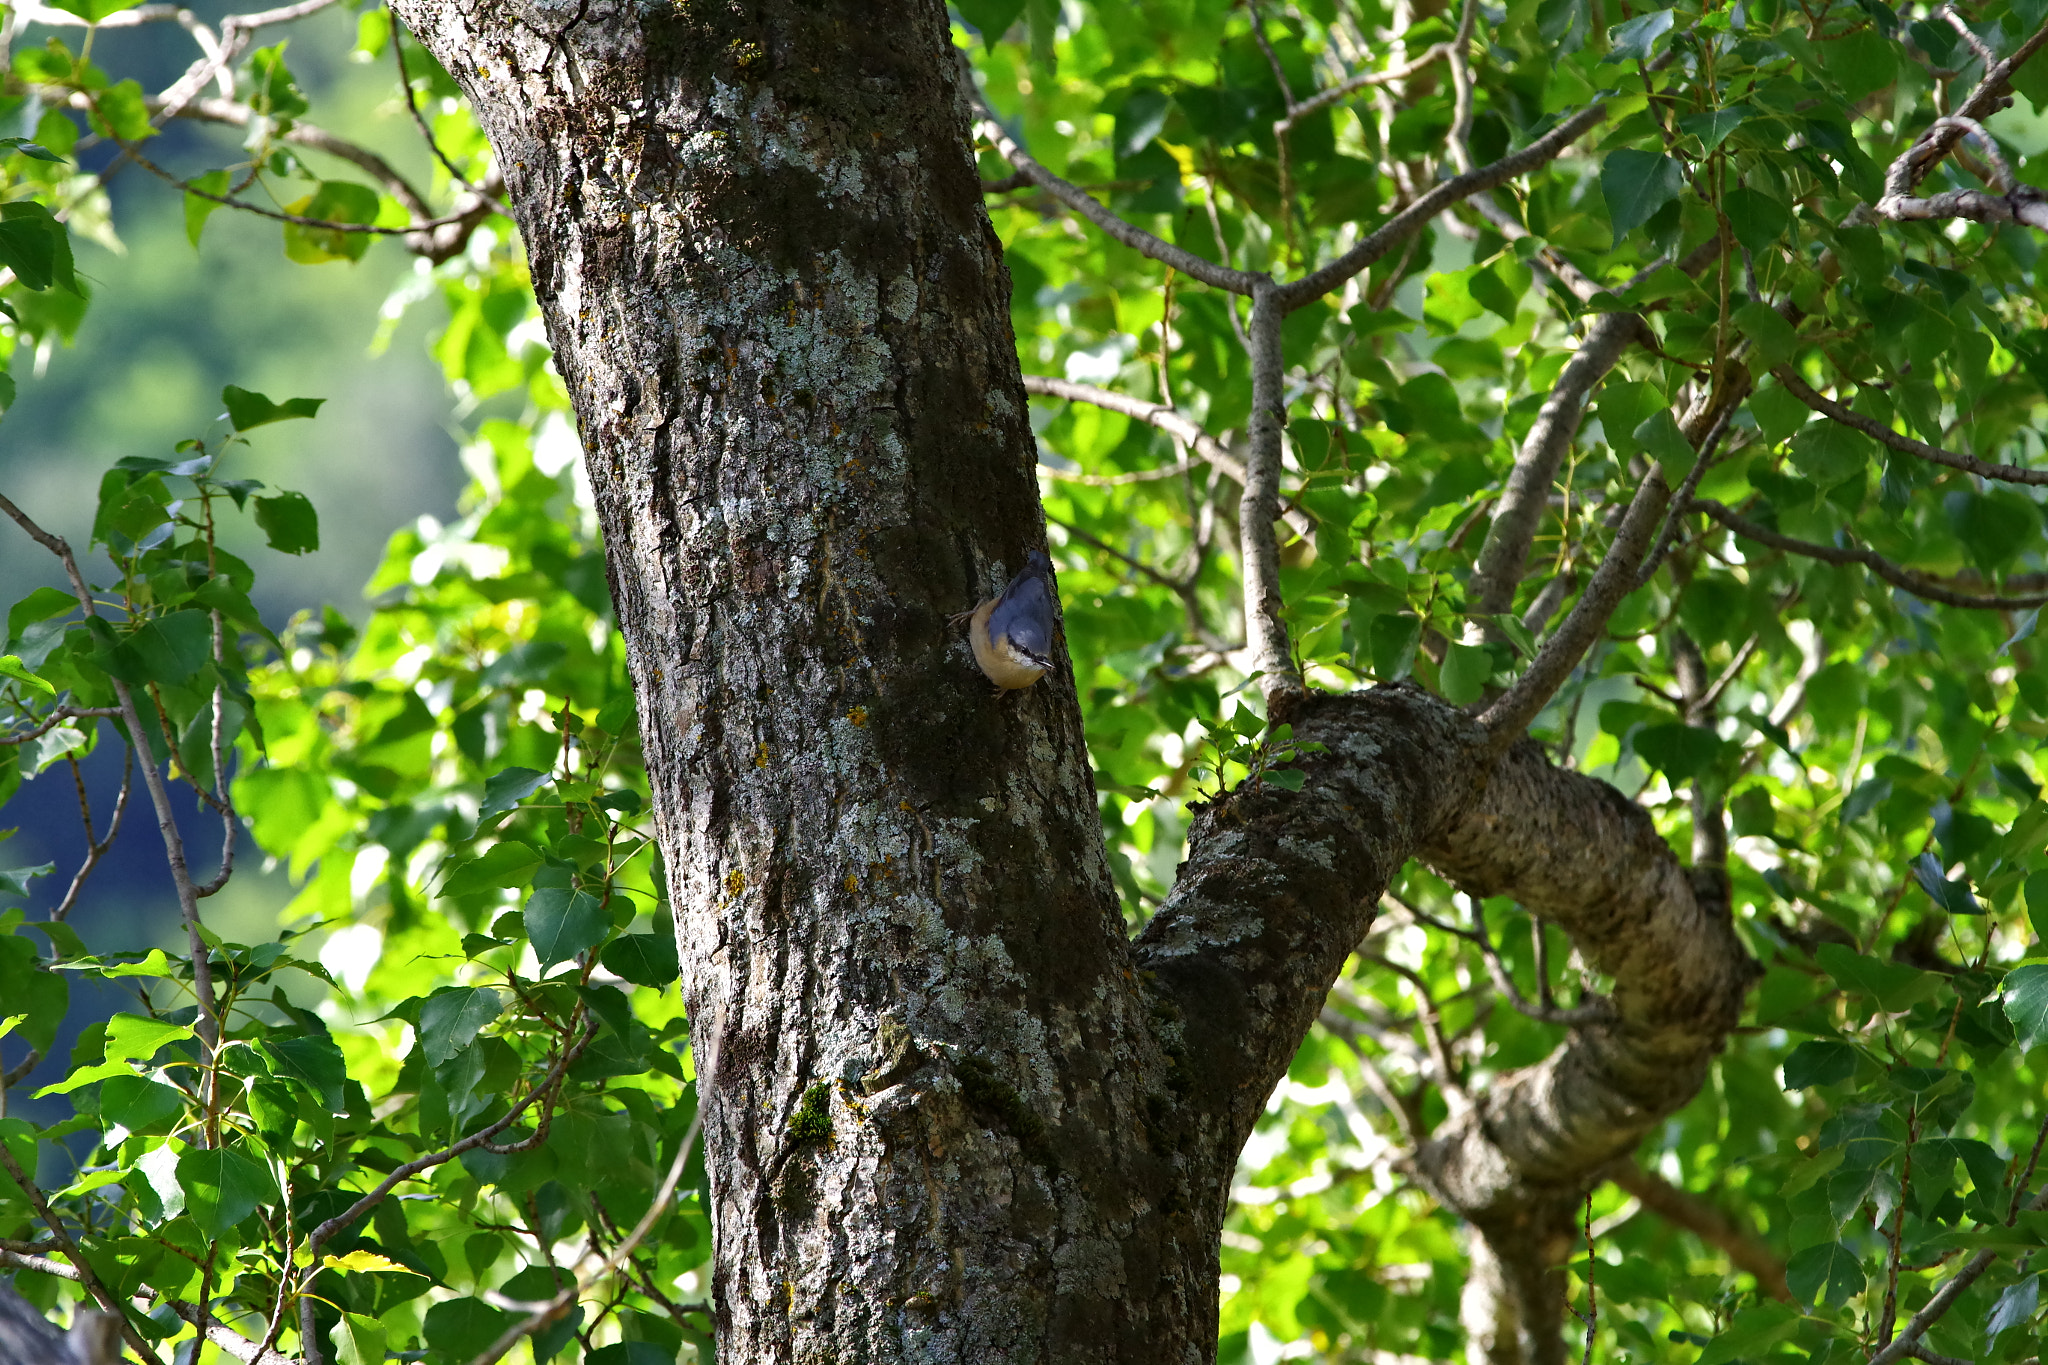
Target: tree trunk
point(952, 1113)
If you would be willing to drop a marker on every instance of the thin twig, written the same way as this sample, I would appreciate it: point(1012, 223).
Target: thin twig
point(70, 1249)
point(1969, 464)
point(557, 1306)
point(1906, 580)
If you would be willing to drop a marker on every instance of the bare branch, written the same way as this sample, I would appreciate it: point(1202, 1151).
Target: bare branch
point(1509, 716)
point(1969, 464)
point(1906, 580)
point(1686, 488)
point(1272, 655)
point(1461, 90)
point(1079, 200)
point(1410, 220)
point(1913, 165)
point(1323, 99)
point(318, 1238)
point(1519, 512)
point(237, 115)
point(95, 848)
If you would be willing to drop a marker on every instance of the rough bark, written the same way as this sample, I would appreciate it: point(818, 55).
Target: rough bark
point(951, 1112)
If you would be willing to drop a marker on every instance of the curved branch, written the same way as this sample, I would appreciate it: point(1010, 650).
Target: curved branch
point(1906, 580)
point(1323, 99)
point(1169, 420)
point(1085, 204)
point(1925, 154)
point(1409, 221)
point(1969, 464)
point(236, 115)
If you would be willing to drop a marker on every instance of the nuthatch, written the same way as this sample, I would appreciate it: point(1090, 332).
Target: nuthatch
point(1014, 635)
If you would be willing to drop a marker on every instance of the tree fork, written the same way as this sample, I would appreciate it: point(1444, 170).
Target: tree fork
point(954, 1113)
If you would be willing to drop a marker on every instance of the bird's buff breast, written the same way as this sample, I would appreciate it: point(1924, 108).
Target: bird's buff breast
point(1003, 668)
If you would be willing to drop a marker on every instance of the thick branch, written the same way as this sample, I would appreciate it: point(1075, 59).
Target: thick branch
point(1502, 559)
point(1969, 464)
point(1906, 580)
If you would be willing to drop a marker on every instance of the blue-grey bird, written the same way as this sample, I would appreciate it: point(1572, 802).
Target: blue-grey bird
point(1014, 634)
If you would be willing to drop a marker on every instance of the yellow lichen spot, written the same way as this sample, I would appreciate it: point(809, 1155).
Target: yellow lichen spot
point(852, 883)
point(858, 715)
point(735, 882)
point(761, 755)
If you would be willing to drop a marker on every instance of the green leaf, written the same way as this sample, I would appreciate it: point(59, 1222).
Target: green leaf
point(2036, 893)
point(562, 922)
point(35, 246)
point(27, 989)
point(1712, 129)
point(1758, 219)
point(92, 11)
point(120, 110)
point(1635, 40)
point(1830, 453)
point(643, 959)
point(458, 1329)
point(247, 410)
point(12, 667)
point(39, 605)
point(2016, 1307)
point(1774, 338)
point(507, 863)
point(1753, 1328)
point(223, 1185)
point(1465, 671)
point(1659, 437)
point(1893, 985)
point(137, 1037)
point(1394, 640)
point(1821, 1062)
point(1636, 184)
point(1680, 752)
point(991, 18)
point(451, 1017)
point(139, 1104)
point(2025, 997)
point(1861, 63)
point(1953, 897)
point(507, 789)
point(1828, 1273)
point(359, 1340)
point(336, 201)
point(289, 522)
point(198, 208)
point(314, 1061)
